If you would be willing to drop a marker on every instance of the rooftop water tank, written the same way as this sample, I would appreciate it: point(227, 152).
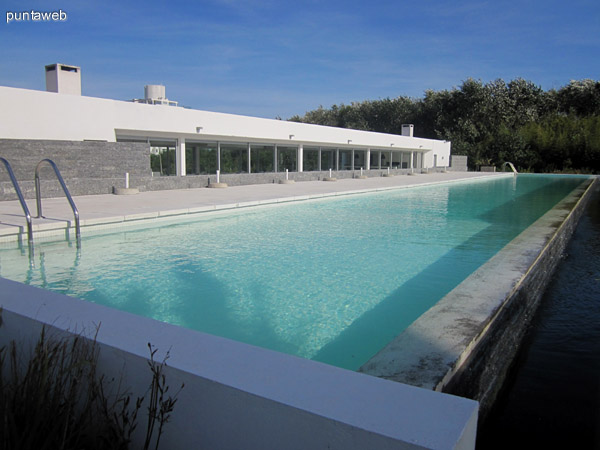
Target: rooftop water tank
point(154, 91)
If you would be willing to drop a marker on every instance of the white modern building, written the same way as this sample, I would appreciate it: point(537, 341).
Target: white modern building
point(201, 142)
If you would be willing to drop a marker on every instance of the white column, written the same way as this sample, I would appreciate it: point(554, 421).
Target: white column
point(249, 154)
point(391, 159)
point(319, 161)
point(300, 158)
point(412, 160)
point(368, 159)
point(219, 156)
point(337, 159)
point(180, 158)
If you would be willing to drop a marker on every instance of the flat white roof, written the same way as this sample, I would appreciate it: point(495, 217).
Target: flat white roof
point(30, 114)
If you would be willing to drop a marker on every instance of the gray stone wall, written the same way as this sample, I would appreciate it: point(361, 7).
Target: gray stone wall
point(91, 168)
point(88, 167)
point(158, 183)
point(458, 163)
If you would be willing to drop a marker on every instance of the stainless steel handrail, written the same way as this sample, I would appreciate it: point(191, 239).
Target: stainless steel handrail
point(21, 200)
point(511, 165)
point(38, 194)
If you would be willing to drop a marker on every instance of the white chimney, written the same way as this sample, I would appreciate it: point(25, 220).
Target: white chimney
point(63, 79)
point(408, 129)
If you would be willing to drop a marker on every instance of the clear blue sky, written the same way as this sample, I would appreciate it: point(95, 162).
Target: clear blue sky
point(274, 58)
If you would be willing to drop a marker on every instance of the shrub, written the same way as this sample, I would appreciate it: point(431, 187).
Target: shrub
point(56, 399)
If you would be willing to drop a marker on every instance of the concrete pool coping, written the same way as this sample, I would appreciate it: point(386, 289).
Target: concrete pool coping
point(110, 211)
point(466, 342)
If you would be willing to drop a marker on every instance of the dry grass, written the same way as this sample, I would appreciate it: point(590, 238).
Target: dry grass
point(55, 398)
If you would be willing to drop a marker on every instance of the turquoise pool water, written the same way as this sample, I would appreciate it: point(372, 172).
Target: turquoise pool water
point(332, 280)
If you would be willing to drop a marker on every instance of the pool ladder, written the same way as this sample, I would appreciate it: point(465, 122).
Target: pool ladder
point(511, 165)
point(11, 174)
point(38, 198)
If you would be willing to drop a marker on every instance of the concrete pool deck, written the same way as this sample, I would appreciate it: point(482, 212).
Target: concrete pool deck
point(110, 210)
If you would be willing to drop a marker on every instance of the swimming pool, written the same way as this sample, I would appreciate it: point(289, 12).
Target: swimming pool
point(332, 280)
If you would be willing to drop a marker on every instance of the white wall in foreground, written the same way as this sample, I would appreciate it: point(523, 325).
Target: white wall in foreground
point(239, 396)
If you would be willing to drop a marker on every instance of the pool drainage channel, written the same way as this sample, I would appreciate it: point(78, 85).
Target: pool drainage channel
point(465, 344)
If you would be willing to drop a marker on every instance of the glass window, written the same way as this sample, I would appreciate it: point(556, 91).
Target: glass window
point(162, 158)
point(234, 158)
point(385, 159)
point(286, 158)
point(261, 158)
point(328, 156)
point(345, 159)
point(375, 159)
point(359, 159)
point(200, 158)
point(310, 160)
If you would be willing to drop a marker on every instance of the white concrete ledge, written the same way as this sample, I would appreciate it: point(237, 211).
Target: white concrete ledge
point(239, 396)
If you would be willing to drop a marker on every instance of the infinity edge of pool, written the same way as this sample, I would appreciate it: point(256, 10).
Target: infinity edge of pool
point(453, 347)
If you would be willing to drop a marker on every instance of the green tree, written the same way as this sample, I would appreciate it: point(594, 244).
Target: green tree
point(491, 123)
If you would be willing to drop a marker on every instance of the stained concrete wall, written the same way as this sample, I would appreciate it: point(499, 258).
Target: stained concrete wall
point(465, 344)
point(483, 373)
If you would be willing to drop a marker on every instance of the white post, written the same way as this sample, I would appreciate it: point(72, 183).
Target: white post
point(126, 180)
point(300, 158)
point(218, 156)
point(286, 174)
point(361, 172)
point(330, 173)
point(218, 172)
point(180, 158)
point(368, 158)
point(388, 170)
point(249, 158)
